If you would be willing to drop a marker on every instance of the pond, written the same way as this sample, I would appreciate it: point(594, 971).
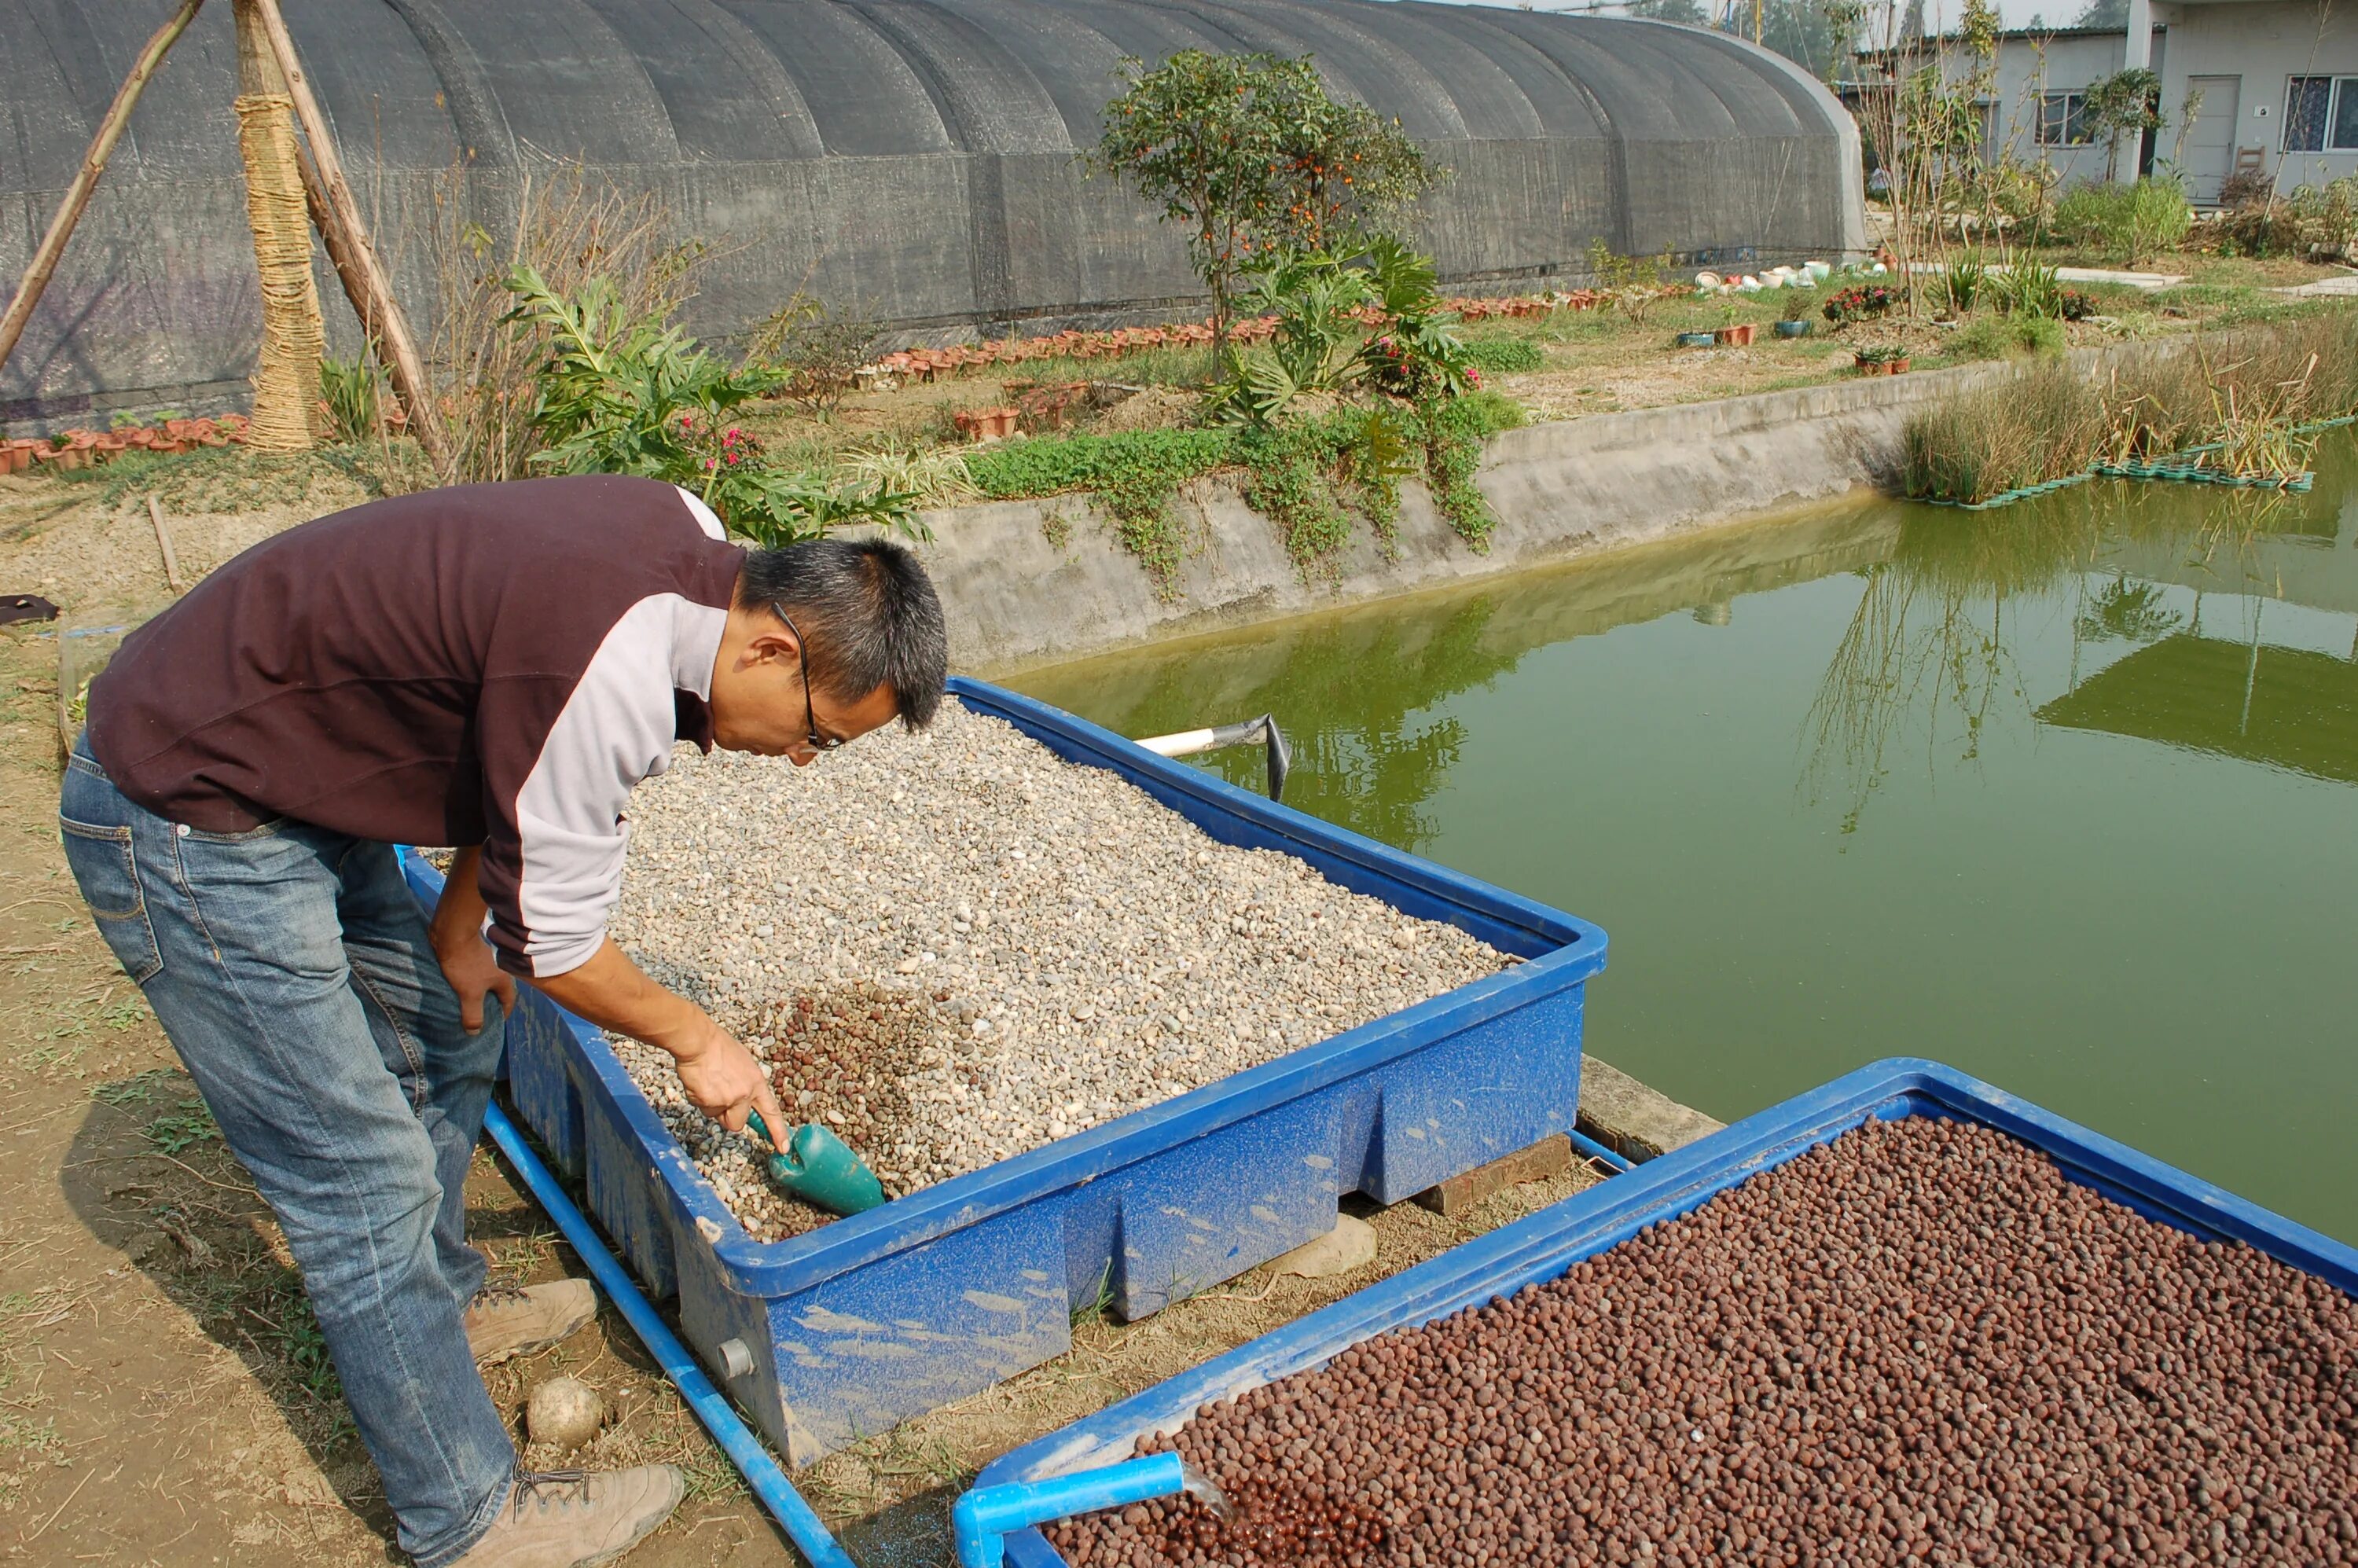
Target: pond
point(2060, 794)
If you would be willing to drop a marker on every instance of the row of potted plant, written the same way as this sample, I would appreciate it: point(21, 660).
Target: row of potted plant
point(925, 365)
point(985, 424)
point(81, 448)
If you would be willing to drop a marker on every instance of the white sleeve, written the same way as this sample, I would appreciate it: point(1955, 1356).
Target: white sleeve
point(617, 729)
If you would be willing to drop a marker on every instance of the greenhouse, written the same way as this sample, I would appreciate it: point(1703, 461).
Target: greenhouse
point(914, 157)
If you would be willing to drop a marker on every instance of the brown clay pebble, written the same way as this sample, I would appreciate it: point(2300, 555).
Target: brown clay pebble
point(1917, 1344)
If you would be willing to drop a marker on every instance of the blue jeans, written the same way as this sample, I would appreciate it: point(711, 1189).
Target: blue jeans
point(291, 967)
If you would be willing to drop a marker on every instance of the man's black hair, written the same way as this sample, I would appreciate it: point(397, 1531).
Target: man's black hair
point(870, 614)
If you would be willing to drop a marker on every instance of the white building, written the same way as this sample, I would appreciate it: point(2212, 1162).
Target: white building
point(2278, 81)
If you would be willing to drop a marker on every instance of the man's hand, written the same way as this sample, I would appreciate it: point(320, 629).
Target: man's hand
point(724, 1082)
point(459, 947)
point(722, 1078)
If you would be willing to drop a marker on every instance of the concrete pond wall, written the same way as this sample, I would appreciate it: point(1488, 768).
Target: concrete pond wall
point(1017, 596)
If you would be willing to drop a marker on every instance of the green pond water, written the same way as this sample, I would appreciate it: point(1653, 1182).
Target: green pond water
point(2060, 794)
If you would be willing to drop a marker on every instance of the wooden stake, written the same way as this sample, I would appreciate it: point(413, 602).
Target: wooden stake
point(164, 543)
point(94, 164)
point(349, 249)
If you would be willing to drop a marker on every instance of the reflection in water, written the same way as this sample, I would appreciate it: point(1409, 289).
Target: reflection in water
point(2053, 793)
point(1926, 654)
point(1356, 690)
point(1375, 773)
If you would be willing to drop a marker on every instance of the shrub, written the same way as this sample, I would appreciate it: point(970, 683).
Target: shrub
point(482, 364)
point(2131, 221)
point(1634, 283)
point(815, 350)
point(1323, 301)
point(625, 392)
point(2246, 188)
point(1247, 152)
point(1997, 337)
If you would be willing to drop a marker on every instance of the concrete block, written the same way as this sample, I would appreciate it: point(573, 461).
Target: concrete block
point(1349, 1245)
point(1635, 1121)
point(1551, 1156)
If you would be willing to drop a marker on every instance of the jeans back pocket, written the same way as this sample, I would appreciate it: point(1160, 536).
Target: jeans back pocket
point(108, 873)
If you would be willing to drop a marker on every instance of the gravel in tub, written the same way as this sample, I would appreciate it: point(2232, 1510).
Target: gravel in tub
point(955, 947)
point(1917, 1343)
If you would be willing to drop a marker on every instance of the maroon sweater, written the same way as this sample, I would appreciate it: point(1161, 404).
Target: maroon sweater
point(494, 664)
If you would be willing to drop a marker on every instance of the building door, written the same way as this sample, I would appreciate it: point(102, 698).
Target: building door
point(2211, 140)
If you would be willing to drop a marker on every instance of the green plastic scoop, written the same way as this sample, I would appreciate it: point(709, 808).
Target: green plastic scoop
point(819, 1168)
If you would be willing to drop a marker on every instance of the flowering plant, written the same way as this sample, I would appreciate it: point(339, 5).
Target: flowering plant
point(1860, 301)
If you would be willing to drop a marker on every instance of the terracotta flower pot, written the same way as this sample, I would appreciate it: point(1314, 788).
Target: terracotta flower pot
point(1737, 337)
point(65, 459)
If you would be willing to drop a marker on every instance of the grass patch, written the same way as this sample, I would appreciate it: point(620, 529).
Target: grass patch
point(1504, 356)
point(230, 479)
point(1189, 367)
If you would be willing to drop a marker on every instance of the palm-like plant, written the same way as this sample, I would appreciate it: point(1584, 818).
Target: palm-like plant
point(626, 392)
point(1323, 301)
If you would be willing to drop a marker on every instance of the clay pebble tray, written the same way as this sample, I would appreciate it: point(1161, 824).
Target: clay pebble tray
point(1924, 1341)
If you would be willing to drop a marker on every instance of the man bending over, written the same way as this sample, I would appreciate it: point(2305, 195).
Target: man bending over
point(491, 666)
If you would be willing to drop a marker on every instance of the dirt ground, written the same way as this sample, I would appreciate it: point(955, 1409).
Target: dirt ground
point(164, 1394)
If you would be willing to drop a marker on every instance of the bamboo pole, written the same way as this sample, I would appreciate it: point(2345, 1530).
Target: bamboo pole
point(349, 249)
point(164, 544)
point(94, 164)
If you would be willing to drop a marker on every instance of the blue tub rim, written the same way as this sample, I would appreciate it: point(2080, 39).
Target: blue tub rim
point(1569, 951)
point(1543, 1245)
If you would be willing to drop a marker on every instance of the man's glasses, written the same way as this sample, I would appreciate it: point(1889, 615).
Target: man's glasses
point(817, 741)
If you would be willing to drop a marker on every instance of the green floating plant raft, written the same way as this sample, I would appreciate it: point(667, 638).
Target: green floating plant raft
point(2008, 497)
point(2194, 473)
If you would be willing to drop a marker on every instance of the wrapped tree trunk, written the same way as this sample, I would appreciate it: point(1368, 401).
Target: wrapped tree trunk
point(286, 378)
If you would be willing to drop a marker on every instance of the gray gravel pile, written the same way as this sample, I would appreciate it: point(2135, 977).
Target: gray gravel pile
point(953, 947)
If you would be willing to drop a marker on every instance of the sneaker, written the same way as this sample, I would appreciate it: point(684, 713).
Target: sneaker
point(506, 1322)
point(574, 1519)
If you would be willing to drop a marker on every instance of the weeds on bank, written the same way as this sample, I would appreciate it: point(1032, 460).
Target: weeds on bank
point(1300, 473)
point(2250, 397)
point(1136, 474)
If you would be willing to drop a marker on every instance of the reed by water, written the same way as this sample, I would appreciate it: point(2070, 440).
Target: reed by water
point(2247, 394)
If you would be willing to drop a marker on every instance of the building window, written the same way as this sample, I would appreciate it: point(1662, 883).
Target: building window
point(2063, 120)
point(2321, 114)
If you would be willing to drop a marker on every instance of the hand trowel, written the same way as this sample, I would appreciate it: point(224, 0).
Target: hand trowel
point(818, 1168)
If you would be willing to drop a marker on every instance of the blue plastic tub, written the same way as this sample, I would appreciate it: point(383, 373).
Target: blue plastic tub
point(871, 1320)
point(1545, 1245)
